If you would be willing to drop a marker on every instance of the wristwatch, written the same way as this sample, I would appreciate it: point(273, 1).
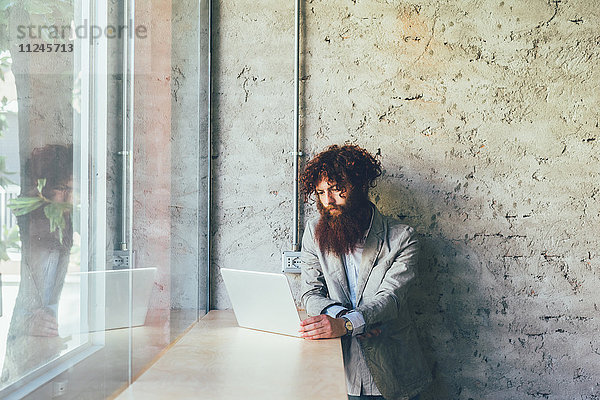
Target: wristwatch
point(349, 326)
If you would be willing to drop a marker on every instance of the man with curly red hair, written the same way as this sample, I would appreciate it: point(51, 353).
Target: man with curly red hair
point(356, 267)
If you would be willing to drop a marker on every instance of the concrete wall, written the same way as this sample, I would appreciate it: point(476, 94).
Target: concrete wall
point(485, 116)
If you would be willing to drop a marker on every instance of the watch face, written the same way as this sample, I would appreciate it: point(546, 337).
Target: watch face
point(349, 326)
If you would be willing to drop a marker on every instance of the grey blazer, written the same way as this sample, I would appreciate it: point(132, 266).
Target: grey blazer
point(394, 357)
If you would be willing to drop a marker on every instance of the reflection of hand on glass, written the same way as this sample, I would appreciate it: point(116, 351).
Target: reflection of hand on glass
point(42, 322)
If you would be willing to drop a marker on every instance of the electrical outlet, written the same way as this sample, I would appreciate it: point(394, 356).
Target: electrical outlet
point(291, 261)
point(121, 259)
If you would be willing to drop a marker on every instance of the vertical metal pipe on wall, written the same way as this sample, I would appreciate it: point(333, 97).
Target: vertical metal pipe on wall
point(297, 154)
point(131, 108)
point(127, 129)
point(123, 152)
point(209, 158)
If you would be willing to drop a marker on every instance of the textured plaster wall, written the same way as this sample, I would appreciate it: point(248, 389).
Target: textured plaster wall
point(485, 114)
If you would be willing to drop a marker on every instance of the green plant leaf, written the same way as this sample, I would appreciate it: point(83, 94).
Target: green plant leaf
point(12, 241)
point(4, 181)
point(40, 184)
point(25, 205)
point(13, 237)
point(3, 252)
point(3, 167)
point(3, 124)
point(55, 212)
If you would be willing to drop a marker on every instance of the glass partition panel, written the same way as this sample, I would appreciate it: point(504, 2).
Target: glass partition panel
point(103, 182)
point(42, 185)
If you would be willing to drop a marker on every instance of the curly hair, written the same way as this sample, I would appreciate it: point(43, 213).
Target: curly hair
point(348, 165)
point(52, 162)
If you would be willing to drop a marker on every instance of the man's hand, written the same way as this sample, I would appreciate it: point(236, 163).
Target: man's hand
point(322, 327)
point(42, 323)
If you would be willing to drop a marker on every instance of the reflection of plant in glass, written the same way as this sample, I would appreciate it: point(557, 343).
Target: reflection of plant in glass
point(9, 238)
point(11, 241)
point(5, 62)
point(53, 210)
point(4, 180)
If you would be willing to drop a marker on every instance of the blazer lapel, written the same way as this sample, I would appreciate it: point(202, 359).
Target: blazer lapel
point(371, 251)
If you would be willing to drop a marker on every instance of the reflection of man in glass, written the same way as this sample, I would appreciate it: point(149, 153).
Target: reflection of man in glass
point(33, 335)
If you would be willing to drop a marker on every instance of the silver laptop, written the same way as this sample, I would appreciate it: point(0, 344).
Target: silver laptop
point(262, 301)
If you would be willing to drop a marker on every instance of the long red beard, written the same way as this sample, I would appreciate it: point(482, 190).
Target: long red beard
point(341, 233)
